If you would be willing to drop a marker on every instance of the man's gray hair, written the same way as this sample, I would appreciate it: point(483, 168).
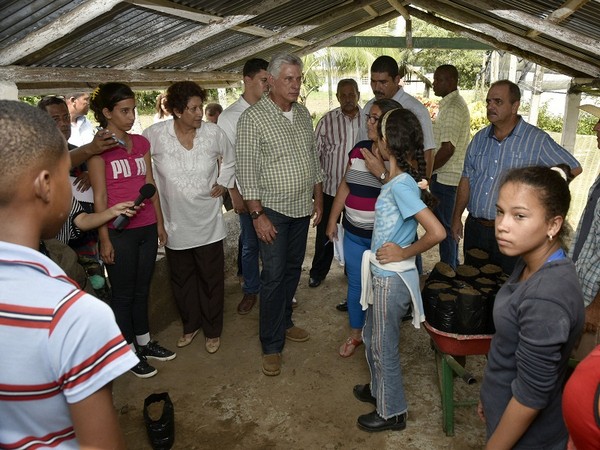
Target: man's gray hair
point(283, 58)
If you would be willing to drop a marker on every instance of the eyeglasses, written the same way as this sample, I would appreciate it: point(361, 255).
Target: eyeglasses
point(371, 119)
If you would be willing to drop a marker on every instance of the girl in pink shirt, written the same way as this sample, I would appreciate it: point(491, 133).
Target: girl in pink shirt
point(130, 253)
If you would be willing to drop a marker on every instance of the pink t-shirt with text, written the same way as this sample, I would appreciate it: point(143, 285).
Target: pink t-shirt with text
point(125, 175)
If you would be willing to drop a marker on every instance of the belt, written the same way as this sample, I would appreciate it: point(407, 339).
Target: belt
point(485, 222)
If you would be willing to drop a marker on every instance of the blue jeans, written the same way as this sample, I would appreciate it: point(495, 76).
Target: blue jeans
point(381, 335)
point(443, 211)
point(354, 247)
point(484, 238)
point(249, 255)
point(281, 268)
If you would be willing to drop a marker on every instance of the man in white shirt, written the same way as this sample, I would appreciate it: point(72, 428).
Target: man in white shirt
point(336, 134)
point(255, 85)
point(385, 82)
point(82, 130)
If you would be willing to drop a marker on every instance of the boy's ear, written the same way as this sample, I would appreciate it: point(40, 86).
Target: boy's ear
point(41, 185)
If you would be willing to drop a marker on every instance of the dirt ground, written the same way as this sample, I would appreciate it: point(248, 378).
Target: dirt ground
point(223, 401)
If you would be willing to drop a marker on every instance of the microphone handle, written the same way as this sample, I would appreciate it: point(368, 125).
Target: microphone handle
point(120, 222)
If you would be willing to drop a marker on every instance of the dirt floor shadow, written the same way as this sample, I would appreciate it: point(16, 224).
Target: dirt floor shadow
point(223, 401)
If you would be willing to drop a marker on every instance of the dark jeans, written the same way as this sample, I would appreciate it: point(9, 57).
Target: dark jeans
point(281, 267)
point(484, 238)
point(249, 255)
point(130, 277)
point(446, 196)
point(321, 262)
point(198, 282)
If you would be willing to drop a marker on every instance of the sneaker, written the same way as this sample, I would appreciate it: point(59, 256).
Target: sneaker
point(154, 351)
point(294, 303)
point(142, 369)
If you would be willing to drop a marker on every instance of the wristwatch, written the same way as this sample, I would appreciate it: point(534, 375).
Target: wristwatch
point(383, 175)
point(256, 214)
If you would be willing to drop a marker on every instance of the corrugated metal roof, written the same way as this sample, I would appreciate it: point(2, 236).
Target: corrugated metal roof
point(152, 41)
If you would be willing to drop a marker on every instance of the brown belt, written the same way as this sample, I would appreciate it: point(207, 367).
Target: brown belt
point(485, 222)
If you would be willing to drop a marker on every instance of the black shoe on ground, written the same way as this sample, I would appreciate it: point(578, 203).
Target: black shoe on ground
point(154, 351)
point(313, 282)
point(342, 306)
point(374, 422)
point(363, 393)
point(142, 369)
point(160, 428)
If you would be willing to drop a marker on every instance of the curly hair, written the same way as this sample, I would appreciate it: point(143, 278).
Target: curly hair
point(30, 139)
point(179, 94)
point(107, 95)
point(404, 139)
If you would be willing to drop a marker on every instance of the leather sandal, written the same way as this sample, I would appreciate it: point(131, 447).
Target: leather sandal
point(186, 340)
point(347, 349)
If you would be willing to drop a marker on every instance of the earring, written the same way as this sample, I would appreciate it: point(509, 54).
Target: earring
point(550, 237)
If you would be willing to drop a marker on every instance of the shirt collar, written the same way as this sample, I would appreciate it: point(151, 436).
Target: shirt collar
point(25, 256)
point(449, 97)
point(517, 130)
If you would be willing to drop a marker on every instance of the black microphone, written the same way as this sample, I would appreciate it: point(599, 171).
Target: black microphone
point(146, 191)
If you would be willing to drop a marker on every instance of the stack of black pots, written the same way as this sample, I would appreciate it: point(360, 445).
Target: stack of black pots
point(462, 301)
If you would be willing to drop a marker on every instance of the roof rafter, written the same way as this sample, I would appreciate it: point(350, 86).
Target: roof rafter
point(557, 16)
point(540, 25)
point(215, 26)
point(504, 37)
point(62, 26)
point(481, 37)
point(245, 51)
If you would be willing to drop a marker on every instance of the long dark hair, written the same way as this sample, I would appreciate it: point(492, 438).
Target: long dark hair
point(404, 138)
point(551, 184)
point(107, 95)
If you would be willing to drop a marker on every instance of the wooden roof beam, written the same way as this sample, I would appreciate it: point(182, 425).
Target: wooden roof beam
point(215, 26)
point(540, 25)
point(566, 10)
point(482, 37)
point(42, 79)
point(349, 31)
point(38, 39)
point(245, 51)
point(507, 38)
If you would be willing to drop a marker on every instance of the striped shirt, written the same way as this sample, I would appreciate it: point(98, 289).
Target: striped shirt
point(336, 134)
point(276, 158)
point(452, 124)
point(588, 260)
point(488, 159)
point(69, 230)
point(359, 209)
point(58, 346)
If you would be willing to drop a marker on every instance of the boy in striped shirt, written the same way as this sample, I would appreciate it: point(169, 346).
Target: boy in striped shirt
point(60, 348)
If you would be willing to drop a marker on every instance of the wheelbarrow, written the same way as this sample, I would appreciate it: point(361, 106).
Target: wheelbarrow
point(446, 346)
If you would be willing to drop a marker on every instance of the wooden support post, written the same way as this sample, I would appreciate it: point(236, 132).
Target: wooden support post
point(8, 90)
point(570, 119)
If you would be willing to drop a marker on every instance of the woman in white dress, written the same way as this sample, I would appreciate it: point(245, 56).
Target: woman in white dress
point(194, 164)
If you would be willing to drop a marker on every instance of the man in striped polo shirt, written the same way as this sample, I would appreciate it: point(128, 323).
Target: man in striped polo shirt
point(60, 348)
point(336, 133)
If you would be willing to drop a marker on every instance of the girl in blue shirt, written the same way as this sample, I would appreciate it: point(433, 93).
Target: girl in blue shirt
point(400, 208)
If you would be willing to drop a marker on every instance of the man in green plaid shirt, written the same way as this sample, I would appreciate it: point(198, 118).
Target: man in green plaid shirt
point(279, 172)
